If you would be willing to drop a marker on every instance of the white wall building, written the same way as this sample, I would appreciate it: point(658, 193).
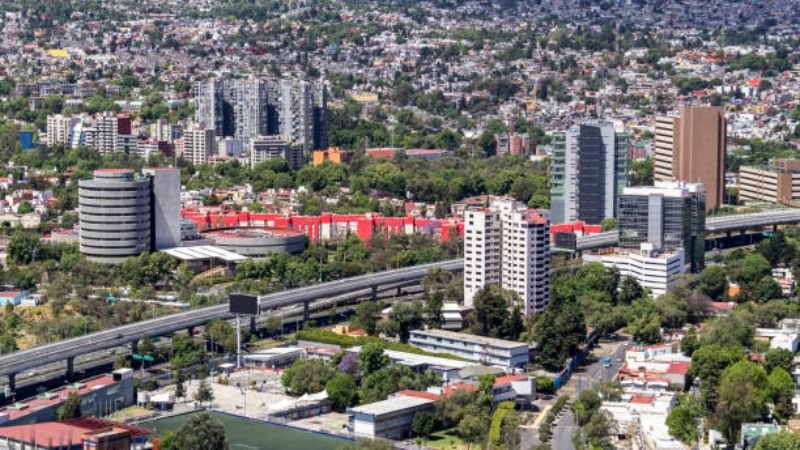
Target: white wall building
point(652, 270)
point(59, 129)
point(197, 144)
point(480, 349)
point(508, 244)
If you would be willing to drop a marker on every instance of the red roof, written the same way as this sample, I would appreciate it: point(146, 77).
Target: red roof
point(61, 434)
point(34, 404)
point(678, 368)
point(9, 294)
point(419, 394)
point(642, 399)
point(449, 389)
point(505, 379)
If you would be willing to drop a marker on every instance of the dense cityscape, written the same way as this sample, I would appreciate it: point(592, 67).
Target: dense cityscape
point(366, 225)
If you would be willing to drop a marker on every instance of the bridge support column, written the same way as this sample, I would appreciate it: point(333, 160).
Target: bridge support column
point(742, 232)
point(774, 227)
point(374, 293)
point(399, 291)
point(306, 314)
point(190, 330)
point(252, 324)
point(134, 347)
point(12, 383)
point(70, 368)
point(728, 234)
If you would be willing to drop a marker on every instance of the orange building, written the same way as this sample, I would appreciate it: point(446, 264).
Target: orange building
point(332, 154)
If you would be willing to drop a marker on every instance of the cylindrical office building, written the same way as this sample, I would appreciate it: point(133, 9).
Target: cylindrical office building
point(114, 210)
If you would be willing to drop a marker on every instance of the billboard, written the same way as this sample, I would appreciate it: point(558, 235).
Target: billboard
point(243, 304)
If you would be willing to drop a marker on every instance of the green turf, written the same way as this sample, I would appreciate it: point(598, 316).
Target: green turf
point(445, 440)
point(251, 435)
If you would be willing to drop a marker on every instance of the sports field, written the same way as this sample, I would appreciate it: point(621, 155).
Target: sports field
point(253, 435)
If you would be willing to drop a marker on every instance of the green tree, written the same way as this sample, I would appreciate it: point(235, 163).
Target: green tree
point(408, 317)
point(713, 282)
point(71, 409)
point(560, 330)
point(781, 391)
point(743, 393)
point(646, 329)
point(307, 376)
point(180, 389)
point(371, 359)
point(782, 440)
point(423, 423)
point(204, 393)
point(683, 420)
point(642, 172)
point(708, 363)
point(752, 269)
point(341, 389)
point(629, 291)
point(689, 342)
point(201, 432)
point(609, 224)
point(367, 316)
point(778, 358)
point(765, 289)
point(25, 208)
point(472, 430)
point(22, 247)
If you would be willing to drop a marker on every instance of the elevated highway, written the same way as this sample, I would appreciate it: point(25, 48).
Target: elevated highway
point(14, 363)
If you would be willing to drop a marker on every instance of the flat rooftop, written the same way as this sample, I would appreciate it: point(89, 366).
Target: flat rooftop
point(493, 342)
point(391, 405)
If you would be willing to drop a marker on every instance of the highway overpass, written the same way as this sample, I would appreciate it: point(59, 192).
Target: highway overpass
point(14, 363)
point(714, 225)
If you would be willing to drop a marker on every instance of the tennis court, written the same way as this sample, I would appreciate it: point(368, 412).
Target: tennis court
point(254, 435)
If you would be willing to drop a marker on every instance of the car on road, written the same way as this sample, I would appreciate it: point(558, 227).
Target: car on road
point(606, 362)
point(120, 335)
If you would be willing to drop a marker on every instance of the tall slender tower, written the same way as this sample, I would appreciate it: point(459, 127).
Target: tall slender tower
point(691, 148)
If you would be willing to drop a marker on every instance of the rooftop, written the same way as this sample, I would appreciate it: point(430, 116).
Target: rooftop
point(500, 343)
point(391, 405)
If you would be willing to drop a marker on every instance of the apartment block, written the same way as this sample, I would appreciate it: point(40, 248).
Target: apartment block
point(691, 148)
point(588, 172)
point(779, 182)
point(507, 244)
point(265, 148)
point(197, 144)
point(59, 128)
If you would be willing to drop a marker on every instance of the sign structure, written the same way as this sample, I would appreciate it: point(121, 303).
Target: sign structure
point(243, 304)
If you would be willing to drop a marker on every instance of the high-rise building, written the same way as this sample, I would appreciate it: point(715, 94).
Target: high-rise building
point(691, 148)
point(508, 245)
point(249, 108)
point(265, 148)
point(59, 129)
point(123, 214)
point(669, 215)
point(196, 144)
point(588, 171)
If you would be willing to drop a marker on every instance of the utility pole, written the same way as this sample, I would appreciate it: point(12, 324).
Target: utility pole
point(239, 343)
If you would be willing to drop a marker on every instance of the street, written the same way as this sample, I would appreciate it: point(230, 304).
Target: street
point(584, 378)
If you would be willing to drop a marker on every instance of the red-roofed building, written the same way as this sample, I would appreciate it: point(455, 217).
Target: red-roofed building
point(100, 395)
point(420, 394)
point(642, 399)
point(87, 433)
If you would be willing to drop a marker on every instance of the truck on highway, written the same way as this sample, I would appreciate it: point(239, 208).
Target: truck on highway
point(606, 362)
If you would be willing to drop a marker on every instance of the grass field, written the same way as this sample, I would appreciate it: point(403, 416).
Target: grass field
point(445, 440)
point(252, 435)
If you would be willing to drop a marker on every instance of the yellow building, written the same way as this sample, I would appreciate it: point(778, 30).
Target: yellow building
point(332, 154)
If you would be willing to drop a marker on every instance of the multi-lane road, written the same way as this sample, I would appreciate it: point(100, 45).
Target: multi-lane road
point(565, 427)
point(15, 363)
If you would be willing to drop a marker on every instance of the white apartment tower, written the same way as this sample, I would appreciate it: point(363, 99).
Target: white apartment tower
point(59, 129)
point(198, 144)
point(509, 245)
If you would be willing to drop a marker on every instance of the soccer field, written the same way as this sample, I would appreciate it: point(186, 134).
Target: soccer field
point(253, 435)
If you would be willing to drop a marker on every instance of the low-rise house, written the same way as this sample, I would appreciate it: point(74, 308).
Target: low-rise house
point(484, 350)
point(390, 418)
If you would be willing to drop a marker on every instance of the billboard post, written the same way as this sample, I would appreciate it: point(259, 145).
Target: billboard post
point(241, 304)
